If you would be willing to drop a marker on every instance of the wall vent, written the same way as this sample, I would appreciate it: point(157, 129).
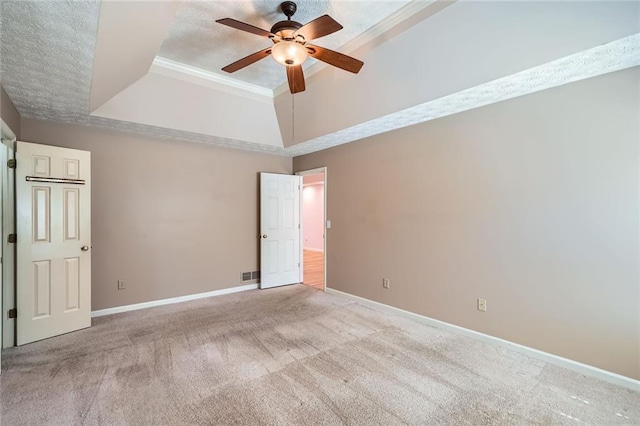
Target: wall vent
point(255, 275)
point(246, 276)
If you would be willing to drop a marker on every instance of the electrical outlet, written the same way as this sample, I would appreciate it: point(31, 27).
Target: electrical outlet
point(482, 305)
point(386, 283)
point(121, 285)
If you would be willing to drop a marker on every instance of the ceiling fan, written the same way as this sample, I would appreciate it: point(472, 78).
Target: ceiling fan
point(291, 45)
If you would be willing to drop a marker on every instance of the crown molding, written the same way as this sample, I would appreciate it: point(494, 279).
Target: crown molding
point(603, 59)
point(231, 85)
point(209, 79)
point(403, 14)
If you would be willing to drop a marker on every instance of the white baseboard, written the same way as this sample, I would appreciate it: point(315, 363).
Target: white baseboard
point(144, 305)
point(579, 367)
point(313, 249)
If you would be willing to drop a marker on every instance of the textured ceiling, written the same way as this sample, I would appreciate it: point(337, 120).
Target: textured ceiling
point(618, 55)
point(46, 51)
point(195, 38)
point(46, 64)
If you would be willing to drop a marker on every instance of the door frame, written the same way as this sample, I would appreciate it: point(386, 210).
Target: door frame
point(8, 249)
point(315, 171)
point(7, 268)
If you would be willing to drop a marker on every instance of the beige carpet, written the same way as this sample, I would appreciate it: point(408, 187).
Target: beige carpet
point(290, 355)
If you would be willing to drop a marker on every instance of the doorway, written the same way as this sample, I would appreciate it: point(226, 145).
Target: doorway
point(7, 228)
point(313, 239)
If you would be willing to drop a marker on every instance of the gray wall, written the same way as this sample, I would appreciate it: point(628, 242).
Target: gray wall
point(466, 44)
point(169, 218)
point(9, 113)
point(531, 204)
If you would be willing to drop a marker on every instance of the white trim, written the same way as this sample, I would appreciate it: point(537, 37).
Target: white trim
point(8, 288)
point(317, 250)
point(369, 35)
point(569, 364)
point(6, 133)
point(144, 305)
point(210, 79)
point(316, 171)
point(602, 59)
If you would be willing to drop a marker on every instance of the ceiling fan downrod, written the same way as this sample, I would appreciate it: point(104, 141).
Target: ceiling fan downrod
point(285, 29)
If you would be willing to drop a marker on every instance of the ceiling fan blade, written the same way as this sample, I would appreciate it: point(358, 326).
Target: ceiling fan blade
point(319, 27)
point(296, 78)
point(244, 27)
point(334, 58)
point(247, 60)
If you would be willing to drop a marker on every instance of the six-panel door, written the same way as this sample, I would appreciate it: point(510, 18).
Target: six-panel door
point(53, 241)
point(280, 230)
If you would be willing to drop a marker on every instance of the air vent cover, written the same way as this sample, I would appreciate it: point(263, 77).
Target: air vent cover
point(246, 276)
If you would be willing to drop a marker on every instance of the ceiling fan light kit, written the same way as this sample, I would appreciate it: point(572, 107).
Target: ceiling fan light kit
point(290, 45)
point(289, 53)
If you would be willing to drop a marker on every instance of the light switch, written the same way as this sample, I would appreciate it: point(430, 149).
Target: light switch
point(328, 224)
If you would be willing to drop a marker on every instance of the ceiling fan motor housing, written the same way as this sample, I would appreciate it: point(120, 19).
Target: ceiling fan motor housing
point(285, 29)
point(288, 8)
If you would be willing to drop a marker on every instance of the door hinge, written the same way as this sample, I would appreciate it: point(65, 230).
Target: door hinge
point(11, 163)
point(12, 238)
point(12, 313)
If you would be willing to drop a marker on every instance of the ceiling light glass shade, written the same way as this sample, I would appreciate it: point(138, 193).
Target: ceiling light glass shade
point(289, 53)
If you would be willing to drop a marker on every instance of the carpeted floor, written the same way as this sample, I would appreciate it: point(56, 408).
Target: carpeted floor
point(291, 355)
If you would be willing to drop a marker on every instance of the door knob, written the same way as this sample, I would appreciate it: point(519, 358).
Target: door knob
point(84, 248)
point(264, 236)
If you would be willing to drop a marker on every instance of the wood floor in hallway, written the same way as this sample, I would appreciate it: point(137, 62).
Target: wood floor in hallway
point(314, 269)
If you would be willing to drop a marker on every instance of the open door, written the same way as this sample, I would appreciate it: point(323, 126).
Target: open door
point(279, 230)
point(53, 195)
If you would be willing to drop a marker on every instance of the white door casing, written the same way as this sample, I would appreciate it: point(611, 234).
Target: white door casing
point(3, 155)
point(8, 249)
point(279, 230)
point(53, 241)
point(302, 174)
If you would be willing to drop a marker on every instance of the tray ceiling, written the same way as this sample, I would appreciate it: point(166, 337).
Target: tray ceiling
point(471, 54)
point(195, 39)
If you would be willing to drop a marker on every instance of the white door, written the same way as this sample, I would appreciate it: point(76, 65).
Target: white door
point(279, 230)
point(53, 203)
